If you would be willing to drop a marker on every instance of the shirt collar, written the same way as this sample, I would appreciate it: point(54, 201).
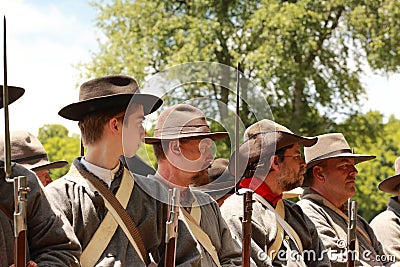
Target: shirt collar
point(104, 174)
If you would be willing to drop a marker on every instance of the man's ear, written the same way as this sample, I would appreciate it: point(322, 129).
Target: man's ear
point(113, 125)
point(318, 173)
point(274, 163)
point(174, 147)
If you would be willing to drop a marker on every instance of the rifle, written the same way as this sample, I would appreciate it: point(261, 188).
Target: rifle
point(171, 232)
point(351, 232)
point(247, 194)
point(20, 183)
point(246, 227)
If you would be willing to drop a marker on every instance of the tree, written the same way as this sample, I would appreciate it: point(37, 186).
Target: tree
point(59, 146)
point(306, 55)
point(384, 145)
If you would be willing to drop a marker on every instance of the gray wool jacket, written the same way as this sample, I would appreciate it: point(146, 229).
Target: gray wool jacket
point(386, 226)
point(264, 229)
point(85, 209)
point(50, 238)
point(332, 229)
point(228, 250)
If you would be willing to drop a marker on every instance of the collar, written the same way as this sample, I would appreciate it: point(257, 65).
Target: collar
point(262, 189)
point(103, 174)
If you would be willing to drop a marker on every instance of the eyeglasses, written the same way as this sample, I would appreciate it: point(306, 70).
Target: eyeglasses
point(297, 158)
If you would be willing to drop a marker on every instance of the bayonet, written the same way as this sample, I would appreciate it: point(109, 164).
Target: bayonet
point(19, 182)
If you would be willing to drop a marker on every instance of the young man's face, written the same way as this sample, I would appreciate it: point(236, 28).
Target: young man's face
point(293, 169)
point(133, 131)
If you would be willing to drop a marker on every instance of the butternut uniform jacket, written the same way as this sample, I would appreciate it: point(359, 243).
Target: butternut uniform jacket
point(264, 230)
point(85, 210)
point(51, 240)
point(386, 226)
point(332, 229)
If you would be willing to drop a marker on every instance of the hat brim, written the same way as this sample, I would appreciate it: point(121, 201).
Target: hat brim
point(358, 158)
point(214, 136)
point(390, 185)
point(46, 166)
point(77, 111)
point(14, 93)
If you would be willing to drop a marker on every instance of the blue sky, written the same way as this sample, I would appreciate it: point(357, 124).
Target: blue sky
point(45, 38)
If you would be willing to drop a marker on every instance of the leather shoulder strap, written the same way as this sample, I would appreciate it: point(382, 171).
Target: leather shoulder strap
point(104, 233)
point(119, 214)
point(200, 235)
point(338, 211)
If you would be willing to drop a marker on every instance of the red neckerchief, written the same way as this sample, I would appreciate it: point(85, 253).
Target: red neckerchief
point(261, 188)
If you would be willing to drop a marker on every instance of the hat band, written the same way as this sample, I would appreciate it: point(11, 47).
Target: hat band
point(181, 130)
point(332, 154)
point(40, 156)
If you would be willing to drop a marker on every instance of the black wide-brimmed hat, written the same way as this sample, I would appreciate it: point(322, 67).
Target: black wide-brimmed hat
point(182, 121)
point(109, 92)
point(14, 93)
point(263, 139)
point(392, 183)
point(27, 150)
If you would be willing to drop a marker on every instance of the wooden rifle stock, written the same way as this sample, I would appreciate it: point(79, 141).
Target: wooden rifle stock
point(246, 227)
point(351, 233)
point(171, 232)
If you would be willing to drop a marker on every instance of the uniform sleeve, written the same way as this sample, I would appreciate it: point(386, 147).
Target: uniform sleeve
point(233, 218)
point(386, 227)
point(51, 239)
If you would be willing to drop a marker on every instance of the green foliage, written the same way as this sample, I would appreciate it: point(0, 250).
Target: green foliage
point(304, 56)
point(59, 146)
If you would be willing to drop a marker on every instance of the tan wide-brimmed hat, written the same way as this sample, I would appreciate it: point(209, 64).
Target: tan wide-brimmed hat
point(331, 145)
point(14, 93)
point(108, 92)
point(27, 150)
point(392, 183)
point(182, 121)
point(264, 138)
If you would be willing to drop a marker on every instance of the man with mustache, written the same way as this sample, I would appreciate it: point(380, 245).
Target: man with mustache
point(182, 144)
point(270, 162)
point(331, 176)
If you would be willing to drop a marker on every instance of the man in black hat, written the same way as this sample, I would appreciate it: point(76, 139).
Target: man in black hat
point(386, 225)
point(331, 176)
point(28, 151)
point(182, 145)
point(117, 216)
point(51, 240)
point(270, 162)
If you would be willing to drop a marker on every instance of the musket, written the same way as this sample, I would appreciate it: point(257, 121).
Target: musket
point(171, 232)
point(20, 183)
point(351, 232)
point(248, 194)
point(246, 227)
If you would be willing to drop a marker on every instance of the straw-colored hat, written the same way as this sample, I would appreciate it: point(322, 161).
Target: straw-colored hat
point(108, 92)
point(182, 121)
point(27, 150)
point(391, 184)
point(332, 145)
